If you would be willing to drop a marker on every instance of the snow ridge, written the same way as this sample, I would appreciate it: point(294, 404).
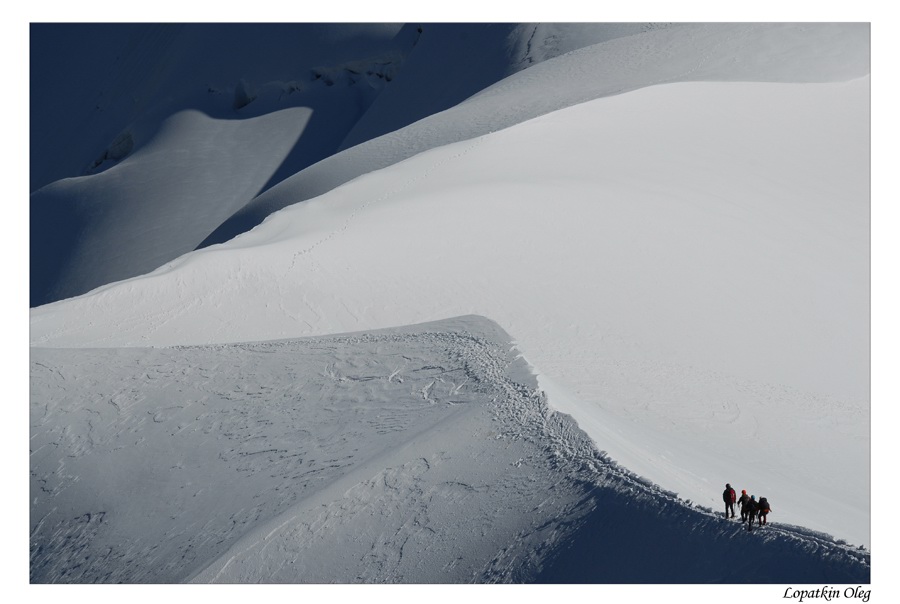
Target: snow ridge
point(320, 460)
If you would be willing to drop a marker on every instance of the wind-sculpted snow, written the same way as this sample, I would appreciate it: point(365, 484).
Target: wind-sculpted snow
point(167, 130)
point(751, 52)
point(161, 168)
point(89, 81)
point(342, 99)
point(418, 454)
point(139, 213)
point(454, 61)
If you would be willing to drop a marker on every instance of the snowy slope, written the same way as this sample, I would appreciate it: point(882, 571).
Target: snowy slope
point(168, 129)
point(422, 454)
point(454, 61)
point(309, 91)
point(673, 225)
point(178, 131)
point(687, 263)
point(89, 81)
point(686, 52)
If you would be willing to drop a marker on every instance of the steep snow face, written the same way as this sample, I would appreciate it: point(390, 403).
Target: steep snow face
point(422, 454)
point(687, 263)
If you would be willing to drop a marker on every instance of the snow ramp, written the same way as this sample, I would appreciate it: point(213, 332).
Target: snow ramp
point(422, 454)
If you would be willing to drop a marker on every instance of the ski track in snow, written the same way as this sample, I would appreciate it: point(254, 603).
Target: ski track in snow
point(424, 454)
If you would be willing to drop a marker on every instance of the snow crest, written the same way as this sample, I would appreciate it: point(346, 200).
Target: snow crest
point(421, 454)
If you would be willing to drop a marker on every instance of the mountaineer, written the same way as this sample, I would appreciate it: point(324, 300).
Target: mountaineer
point(729, 498)
point(764, 509)
point(743, 499)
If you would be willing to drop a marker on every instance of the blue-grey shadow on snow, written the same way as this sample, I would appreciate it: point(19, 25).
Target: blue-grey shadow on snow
point(132, 80)
point(443, 64)
point(626, 539)
point(53, 235)
point(89, 81)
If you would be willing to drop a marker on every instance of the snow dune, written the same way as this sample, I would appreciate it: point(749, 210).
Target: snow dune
point(423, 454)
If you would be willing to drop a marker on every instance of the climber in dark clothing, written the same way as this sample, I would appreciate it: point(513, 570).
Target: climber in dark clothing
point(742, 500)
point(728, 497)
point(752, 508)
point(764, 510)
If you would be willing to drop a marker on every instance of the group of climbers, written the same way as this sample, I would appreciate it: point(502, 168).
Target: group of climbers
point(750, 507)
